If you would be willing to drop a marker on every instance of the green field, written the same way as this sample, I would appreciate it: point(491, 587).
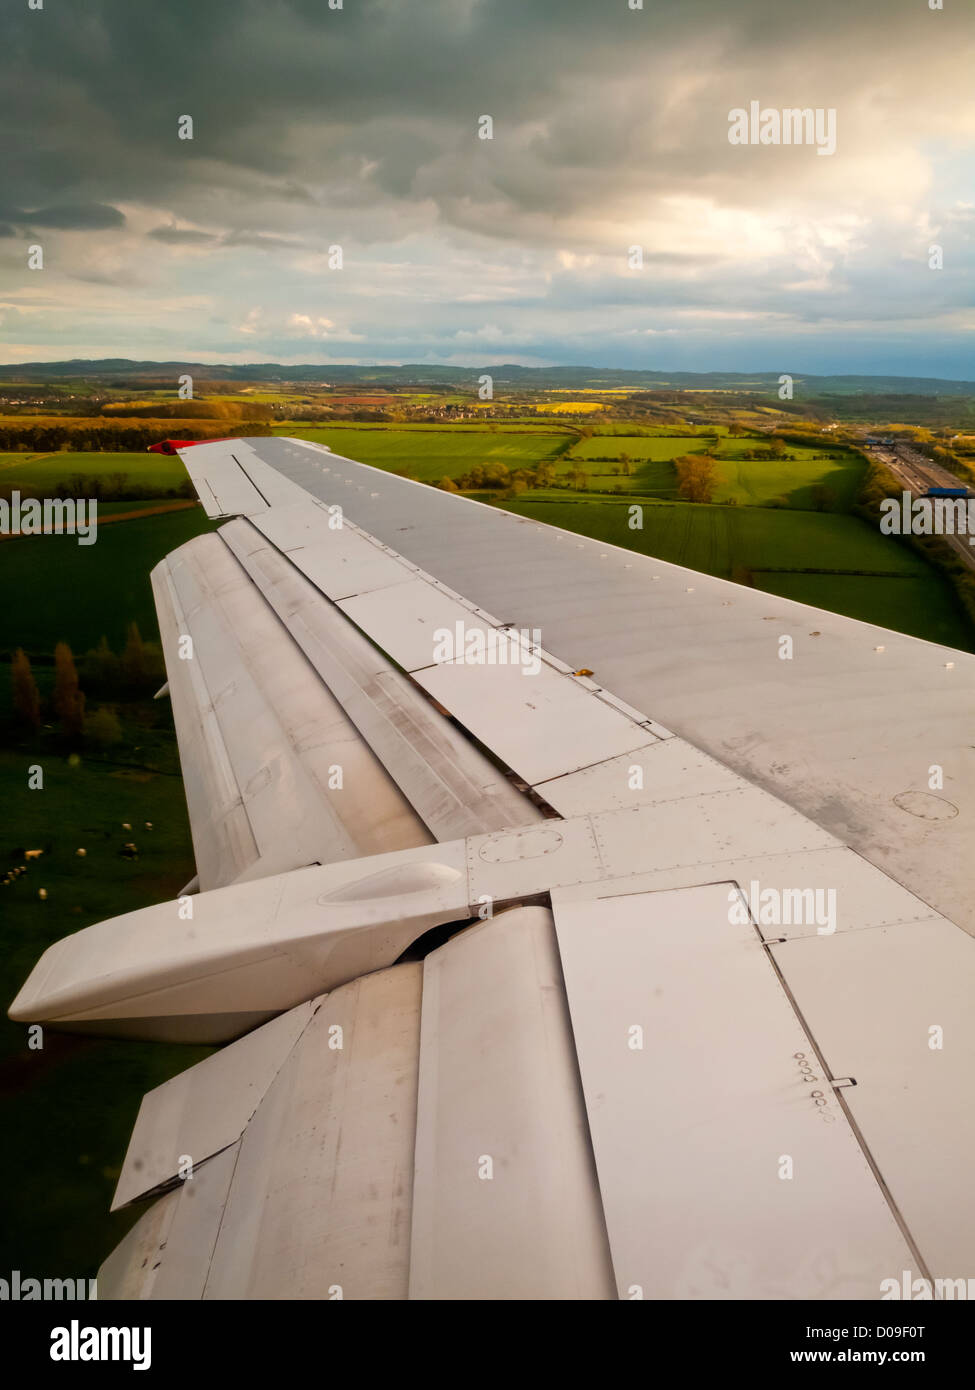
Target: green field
point(891, 603)
point(752, 482)
point(758, 544)
point(39, 470)
point(72, 1104)
point(756, 481)
point(430, 453)
point(657, 447)
point(46, 575)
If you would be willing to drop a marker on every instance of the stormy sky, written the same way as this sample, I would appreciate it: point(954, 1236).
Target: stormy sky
point(357, 127)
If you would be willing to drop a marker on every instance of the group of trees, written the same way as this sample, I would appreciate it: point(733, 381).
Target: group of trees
point(807, 440)
point(26, 696)
point(497, 476)
point(138, 671)
point(774, 450)
point(67, 702)
point(134, 673)
point(697, 476)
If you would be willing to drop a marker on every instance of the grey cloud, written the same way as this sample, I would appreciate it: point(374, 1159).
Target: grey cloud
point(178, 236)
point(76, 217)
point(359, 126)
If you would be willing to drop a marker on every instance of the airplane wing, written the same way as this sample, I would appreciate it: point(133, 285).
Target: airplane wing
point(578, 926)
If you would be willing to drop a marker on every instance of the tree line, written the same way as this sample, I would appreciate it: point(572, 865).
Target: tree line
point(138, 670)
point(188, 410)
point(105, 487)
point(105, 435)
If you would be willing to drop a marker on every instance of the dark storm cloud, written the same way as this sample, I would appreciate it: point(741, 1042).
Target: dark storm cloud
point(95, 217)
point(298, 91)
point(85, 217)
point(358, 125)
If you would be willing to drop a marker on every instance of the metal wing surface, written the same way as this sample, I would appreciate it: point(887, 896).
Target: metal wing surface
point(566, 940)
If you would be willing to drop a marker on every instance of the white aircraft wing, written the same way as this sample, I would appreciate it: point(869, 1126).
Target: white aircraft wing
point(579, 926)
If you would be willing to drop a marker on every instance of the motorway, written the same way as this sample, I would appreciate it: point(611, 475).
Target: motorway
point(918, 473)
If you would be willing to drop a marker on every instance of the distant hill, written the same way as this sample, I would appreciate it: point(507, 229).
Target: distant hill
point(122, 369)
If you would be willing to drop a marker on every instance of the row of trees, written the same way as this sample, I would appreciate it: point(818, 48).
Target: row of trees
point(774, 450)
point(106, 487)
point(135, 672)
point(623, 460)
point(696, 476)
point(189, 410)
point(104, 435)
point(497, 476)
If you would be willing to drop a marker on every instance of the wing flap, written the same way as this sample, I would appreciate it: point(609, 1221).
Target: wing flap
point(167, 1253)
point(205, 1109)
point(727, 1166)
point(452, 786)
point(503, 1158)
point(320, 1201)
point(260, 736)
point(891, 1009)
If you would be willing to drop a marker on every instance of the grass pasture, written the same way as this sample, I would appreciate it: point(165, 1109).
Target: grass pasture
point(919, 607)
point(430, 454)
point(45, 470)
point(41, 573)
point(750, 482)
point(649, 447)
point(72, 1104)
point(755, 482)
